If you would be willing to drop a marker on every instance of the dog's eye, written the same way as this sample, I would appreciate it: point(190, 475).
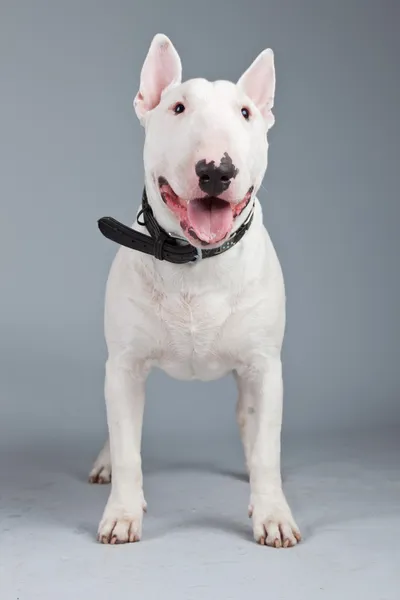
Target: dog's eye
point(179, 108)
point(246, 113)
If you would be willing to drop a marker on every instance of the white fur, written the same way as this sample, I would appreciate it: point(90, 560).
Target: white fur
point(221, 315)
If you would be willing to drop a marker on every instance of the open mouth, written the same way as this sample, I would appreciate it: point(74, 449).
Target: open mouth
point(207, 220)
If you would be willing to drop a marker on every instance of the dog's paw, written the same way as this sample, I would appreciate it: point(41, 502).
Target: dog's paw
point(120, 526)
point(100, 473)
point(273, 523)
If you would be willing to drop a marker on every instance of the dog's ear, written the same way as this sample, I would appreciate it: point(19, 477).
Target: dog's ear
point(258, 83)
point(161, 69)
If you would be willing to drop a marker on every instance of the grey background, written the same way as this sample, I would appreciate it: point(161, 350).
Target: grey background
point(70, 152)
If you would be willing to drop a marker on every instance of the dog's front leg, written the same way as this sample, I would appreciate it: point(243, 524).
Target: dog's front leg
point(123, 515)
point(261, 385)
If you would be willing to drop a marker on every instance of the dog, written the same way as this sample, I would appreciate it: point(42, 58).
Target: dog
point(196, 287)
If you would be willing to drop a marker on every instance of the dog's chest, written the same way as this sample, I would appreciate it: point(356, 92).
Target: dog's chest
point(195, 341)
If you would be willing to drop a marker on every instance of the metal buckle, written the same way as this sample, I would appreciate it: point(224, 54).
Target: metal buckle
point(199, 255)
point(177, 237)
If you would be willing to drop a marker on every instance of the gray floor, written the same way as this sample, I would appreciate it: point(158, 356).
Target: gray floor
point(197, 543)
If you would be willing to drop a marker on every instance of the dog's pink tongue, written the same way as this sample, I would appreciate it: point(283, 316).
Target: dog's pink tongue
point(210, 218)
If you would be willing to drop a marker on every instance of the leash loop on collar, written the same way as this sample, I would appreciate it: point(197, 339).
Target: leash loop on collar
point(140, 214)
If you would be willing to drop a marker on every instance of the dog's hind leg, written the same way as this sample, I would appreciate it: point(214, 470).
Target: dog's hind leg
point(101, 471)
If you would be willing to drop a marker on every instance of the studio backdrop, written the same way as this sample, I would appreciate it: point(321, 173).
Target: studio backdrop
point(71, 152)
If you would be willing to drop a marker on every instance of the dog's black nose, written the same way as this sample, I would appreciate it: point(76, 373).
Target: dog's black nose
point(214, 180)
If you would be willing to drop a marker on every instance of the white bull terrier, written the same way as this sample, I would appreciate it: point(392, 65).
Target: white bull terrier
point(198, 291)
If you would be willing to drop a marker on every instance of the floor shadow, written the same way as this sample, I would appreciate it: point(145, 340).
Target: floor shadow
point(198, 525)
point(154, 467)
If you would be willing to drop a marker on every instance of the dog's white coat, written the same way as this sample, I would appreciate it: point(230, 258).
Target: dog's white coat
point(221, 315)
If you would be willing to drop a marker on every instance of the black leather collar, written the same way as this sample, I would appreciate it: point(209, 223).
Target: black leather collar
point(161, 244)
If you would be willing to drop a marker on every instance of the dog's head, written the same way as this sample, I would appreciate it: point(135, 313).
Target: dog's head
point(206, 148)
